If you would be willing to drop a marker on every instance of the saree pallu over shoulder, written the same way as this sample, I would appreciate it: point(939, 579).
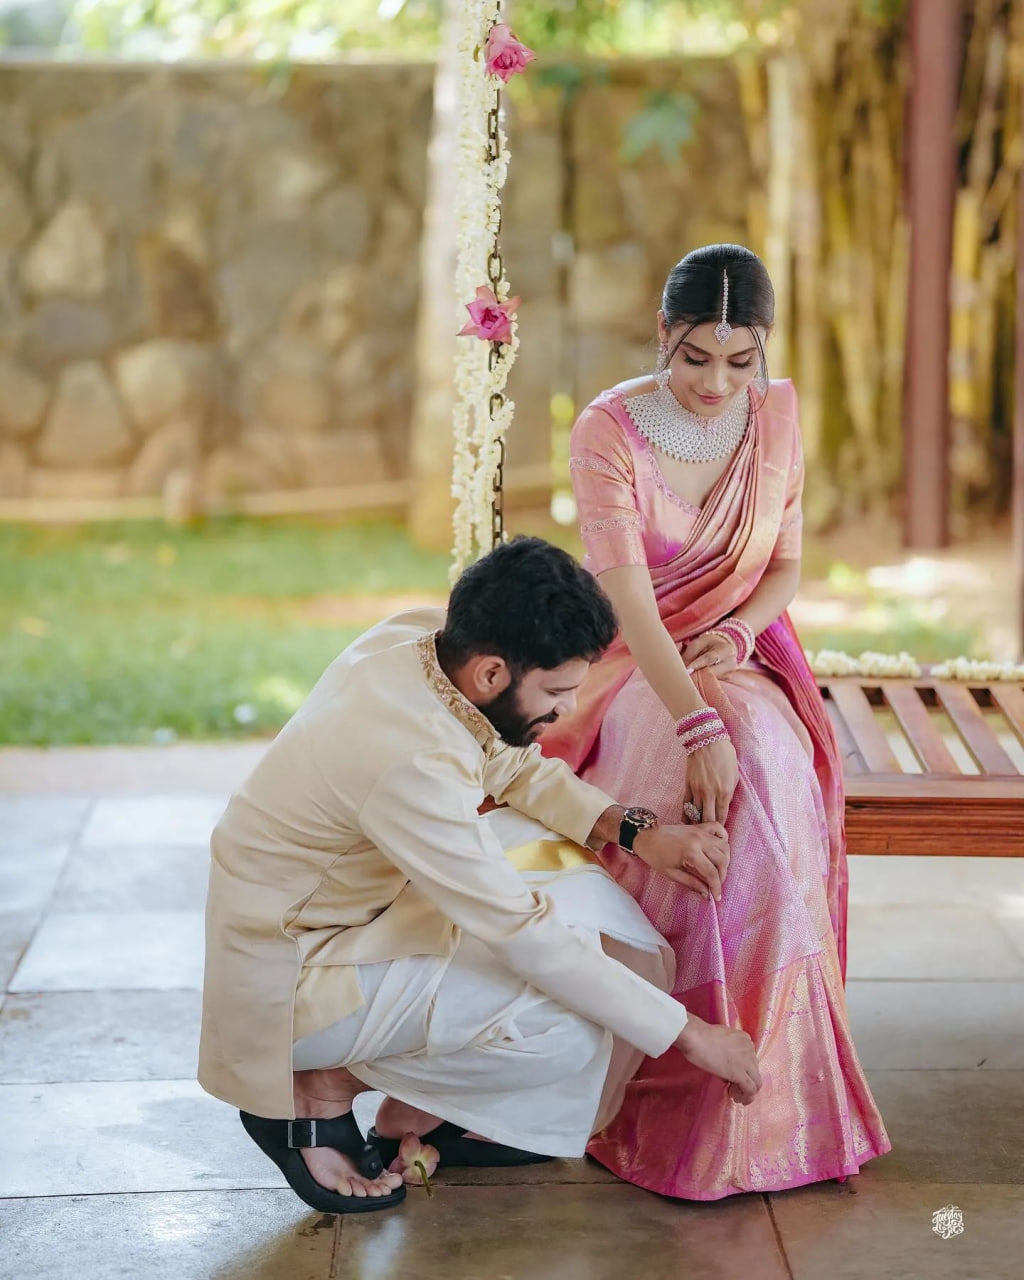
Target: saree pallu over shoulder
point(721, 562)
point(717, 568)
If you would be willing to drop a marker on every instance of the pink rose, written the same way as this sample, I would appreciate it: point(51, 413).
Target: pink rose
point(505, 56)
point(415, 1162)
point(490, 319)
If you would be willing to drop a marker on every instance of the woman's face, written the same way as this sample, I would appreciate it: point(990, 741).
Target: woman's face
point(705, 375)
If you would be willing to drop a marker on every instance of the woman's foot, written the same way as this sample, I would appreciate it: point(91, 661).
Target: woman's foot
point(322, 1095)
point(395, 1120)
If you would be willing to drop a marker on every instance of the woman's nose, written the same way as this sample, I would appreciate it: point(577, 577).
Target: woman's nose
point(717, 380)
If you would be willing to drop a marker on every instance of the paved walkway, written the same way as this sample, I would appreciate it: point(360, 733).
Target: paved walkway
point(114, 1163)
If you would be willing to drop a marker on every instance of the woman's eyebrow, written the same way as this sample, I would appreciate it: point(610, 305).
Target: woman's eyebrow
point(733, 355)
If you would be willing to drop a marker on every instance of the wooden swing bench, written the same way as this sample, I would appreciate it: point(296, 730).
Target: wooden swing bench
point(931, 766)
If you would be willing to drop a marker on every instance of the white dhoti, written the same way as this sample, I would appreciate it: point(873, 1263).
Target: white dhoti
point(464, 1038)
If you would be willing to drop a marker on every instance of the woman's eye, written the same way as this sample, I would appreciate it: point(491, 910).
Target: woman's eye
point(743, 365)
point(698, 363)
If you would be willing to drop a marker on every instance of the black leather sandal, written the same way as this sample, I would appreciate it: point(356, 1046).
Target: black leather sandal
point(455, 1149)
point(283, 1140)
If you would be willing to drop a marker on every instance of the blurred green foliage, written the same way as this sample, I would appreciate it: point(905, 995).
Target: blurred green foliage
point(269, 30)
point(140, 633)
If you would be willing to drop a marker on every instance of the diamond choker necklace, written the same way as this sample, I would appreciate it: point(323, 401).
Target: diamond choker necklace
point(686, 436)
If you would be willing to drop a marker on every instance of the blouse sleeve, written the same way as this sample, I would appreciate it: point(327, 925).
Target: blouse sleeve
point(601, 467)
point(789, 544)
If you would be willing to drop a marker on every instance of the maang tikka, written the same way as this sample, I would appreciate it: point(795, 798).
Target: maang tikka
point(723, 330)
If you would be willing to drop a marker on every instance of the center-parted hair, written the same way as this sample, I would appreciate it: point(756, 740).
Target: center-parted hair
point(695, 290)
point(531, 604)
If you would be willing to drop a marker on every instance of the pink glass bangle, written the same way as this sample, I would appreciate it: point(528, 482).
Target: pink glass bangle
point(734, 639)
point(741, 634)
point(696, 719)
point(739, 640)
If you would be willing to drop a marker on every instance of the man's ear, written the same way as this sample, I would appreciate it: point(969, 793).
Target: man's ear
point(488, 675)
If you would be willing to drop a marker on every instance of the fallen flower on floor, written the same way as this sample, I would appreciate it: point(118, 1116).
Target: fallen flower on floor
point(415, 1162)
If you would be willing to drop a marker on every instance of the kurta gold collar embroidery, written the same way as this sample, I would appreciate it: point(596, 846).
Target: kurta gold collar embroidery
point(460, 707)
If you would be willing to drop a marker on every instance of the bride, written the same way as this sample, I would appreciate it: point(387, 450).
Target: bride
point(688, 486)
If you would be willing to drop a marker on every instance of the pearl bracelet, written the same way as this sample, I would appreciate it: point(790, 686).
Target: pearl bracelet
point(698, 744)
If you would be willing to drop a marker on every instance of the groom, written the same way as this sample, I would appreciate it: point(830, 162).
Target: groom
point(365, 930)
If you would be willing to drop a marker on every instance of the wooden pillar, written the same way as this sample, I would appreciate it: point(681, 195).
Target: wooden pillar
point(935, 47)
point(1018, 421)
point(430, 511)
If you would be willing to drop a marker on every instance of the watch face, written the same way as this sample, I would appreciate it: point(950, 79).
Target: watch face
point(641, 817)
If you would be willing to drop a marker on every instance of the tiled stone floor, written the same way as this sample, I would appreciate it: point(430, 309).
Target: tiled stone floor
point(115, 1164)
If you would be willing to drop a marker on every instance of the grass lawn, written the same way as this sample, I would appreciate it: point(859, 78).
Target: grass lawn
point(140, 633)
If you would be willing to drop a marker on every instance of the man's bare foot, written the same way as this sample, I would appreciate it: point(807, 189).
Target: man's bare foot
point(322, 1095)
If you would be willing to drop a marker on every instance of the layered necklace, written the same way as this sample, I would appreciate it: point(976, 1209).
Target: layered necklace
point(686, 436)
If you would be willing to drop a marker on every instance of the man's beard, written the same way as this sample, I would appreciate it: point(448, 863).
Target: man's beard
point(510, 723)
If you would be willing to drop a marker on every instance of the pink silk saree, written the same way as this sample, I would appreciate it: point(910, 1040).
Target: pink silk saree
point(770, 957)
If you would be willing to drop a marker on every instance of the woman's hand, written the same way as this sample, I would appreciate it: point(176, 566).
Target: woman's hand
point(697, 856)
point(711, 650)
point(712, 775)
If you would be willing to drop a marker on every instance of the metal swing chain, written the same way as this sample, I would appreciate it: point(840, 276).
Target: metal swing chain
point(495, 272)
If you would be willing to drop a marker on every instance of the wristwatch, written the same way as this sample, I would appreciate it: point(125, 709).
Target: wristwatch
point(635, 820)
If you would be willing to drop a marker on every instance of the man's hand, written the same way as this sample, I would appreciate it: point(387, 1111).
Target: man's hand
point(696, 856)
point(724, 1052)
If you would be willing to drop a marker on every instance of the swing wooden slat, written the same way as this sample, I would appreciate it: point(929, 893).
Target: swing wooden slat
point(855, 710)
point(916, 723)
point(1010, 701)
point(941, 731)
point(962, 709)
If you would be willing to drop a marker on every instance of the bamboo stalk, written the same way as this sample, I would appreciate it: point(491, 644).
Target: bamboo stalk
point(777, 245)
point(750, 83)
point(808, 326)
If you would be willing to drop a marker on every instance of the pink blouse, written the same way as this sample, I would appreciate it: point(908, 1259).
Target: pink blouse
point(628, 513)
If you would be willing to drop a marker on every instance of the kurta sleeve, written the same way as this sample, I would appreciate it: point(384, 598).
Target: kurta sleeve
point(789, 544)
point(601, 467)
point(423, 818)
point(545, 789)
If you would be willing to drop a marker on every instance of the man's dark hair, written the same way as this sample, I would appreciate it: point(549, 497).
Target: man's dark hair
point(531, 604)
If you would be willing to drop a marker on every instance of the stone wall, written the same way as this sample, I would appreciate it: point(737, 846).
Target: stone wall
point(201, 265)
point(208, 268)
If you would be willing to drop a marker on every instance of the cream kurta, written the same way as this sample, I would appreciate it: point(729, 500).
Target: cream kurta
point(357, 839)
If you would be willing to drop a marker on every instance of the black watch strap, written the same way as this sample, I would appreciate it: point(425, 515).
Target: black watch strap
point(634, 820)
point(627, 834)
